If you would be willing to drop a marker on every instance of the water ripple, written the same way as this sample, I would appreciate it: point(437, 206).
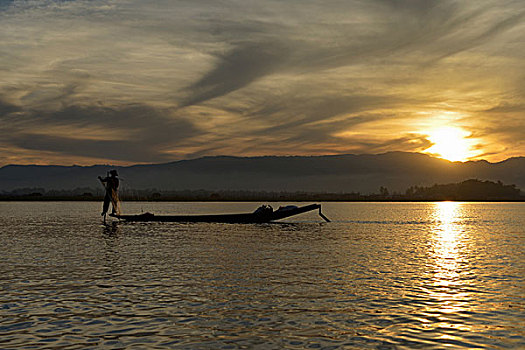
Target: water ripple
point(381, 276)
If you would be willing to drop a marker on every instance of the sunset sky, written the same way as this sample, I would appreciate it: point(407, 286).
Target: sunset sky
point(124, 82)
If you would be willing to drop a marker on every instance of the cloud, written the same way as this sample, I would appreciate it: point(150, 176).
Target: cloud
point(405, 143)
point(237, 69)
point(410, 32)
point(123, 150)
point(505, 107)
point(132, 133)
point(185, 78)
point(4, 4)
point(7, 108)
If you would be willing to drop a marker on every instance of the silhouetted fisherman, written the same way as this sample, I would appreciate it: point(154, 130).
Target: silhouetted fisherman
point(111, 183)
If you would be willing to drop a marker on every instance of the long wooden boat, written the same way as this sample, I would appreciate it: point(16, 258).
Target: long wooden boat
point(262, 215)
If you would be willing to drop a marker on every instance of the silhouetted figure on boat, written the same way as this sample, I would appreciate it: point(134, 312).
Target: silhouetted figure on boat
point(111, 183)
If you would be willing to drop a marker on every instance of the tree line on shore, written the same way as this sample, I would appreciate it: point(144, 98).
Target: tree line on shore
point(469, 190)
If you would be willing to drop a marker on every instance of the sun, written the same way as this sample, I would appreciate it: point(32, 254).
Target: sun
point(450, 143)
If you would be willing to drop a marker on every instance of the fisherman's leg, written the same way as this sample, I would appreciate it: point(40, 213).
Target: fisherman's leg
point(105, 206)
point(115, 203)
point(113, 208)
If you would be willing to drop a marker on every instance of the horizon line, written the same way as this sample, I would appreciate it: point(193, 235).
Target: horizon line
point(265, 156)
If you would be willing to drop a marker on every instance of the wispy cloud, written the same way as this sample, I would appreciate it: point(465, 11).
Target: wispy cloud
point(134, 133)
point(135, 81)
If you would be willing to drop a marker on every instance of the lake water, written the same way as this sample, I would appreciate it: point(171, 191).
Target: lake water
point(380, 276)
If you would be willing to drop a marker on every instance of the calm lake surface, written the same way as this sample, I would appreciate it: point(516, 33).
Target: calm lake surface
point(380, 276)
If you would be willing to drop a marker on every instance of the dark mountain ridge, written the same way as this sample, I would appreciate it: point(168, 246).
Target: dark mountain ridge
point(363, 173)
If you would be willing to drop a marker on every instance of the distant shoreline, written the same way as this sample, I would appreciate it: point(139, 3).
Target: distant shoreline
point(471, 190)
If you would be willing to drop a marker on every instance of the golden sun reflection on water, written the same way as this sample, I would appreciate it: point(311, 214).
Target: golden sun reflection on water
point(447, 236)
point(448, 289)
